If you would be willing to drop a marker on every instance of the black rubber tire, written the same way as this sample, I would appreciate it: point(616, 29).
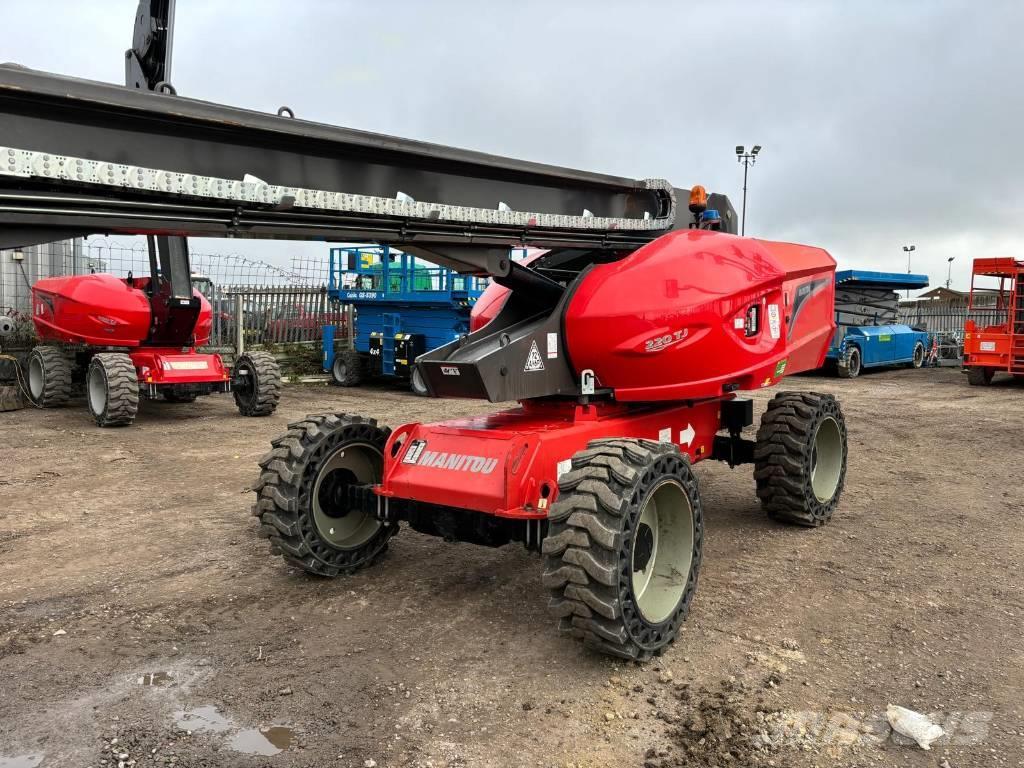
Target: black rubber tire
point(347, 369)
point(849, 365)
point(919, 355)
point(54, 372)
point(117, 399)
point(980, 377)
point(785, 457)
point(179, 397)
point(416, 384)
point(261, 391)
point(588, 552)
point(285, 504)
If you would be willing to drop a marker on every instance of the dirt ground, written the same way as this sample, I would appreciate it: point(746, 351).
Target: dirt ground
point(138, 604)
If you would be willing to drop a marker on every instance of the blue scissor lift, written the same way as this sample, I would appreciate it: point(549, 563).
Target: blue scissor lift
point(868, 332)
point(402, 307)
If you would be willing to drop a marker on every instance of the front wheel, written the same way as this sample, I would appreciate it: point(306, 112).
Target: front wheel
point(800, 457)
point(256, 384)
point(112, 389)
point(624, 546)
point(304, 502)
point(417, 384)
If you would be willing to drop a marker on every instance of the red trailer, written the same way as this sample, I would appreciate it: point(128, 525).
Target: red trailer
point(999, 347)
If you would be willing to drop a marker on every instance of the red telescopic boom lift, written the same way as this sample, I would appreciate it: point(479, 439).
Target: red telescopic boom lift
point(624, 345)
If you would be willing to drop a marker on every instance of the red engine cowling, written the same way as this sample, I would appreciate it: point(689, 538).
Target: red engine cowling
point(697, 314)
point(100, 310)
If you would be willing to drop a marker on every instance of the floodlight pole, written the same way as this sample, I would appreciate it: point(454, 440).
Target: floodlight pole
point(949, 271)
point(907, 249)
point(748, 159)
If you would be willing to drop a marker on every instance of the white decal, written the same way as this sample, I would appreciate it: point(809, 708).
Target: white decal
point(686, 436)
point(658, 343)
point(774, 326)
point(449, 370)
point(665, 435)
point(552, 346)
point(739, 324)
point(534, 362)
point(587, 380)
point(988, 346)
point(186, 365)
point(562, 468)
point(413, 452)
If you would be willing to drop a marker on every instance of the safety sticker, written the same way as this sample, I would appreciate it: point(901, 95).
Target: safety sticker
point(988, 346)
point(563, 467)
point(552, 346)
point(780, 367)
point(665, 435)
point(450, 370)
point(534, 362)
point(774, 326)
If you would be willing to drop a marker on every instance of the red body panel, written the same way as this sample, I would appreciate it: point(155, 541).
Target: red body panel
point(507, 463)
point(668, 321)
point(100, 310)
point(156, 365)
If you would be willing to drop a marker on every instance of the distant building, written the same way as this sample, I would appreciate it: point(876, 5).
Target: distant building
point(948, 299)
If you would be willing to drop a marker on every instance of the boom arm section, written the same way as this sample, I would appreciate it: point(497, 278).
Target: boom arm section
point(91, 157)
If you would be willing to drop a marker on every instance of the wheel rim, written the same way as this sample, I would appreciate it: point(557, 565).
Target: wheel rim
point(340, 370)
point(662, 552)
point(35, 378)
point(417, 382)
point(855, 362)
point(826, 459)
point(97, 387)
point(337, 525)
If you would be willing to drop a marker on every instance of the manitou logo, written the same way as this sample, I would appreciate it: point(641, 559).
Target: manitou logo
point(457, 462)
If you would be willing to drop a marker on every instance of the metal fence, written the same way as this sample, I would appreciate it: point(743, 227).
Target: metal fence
point(275, 315)
point(949, 321)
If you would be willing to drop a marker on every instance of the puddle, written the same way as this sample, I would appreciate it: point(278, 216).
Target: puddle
point(154, 678)
point(262, 741)
point(250, 741)
point(205, 718)
point(22, 761)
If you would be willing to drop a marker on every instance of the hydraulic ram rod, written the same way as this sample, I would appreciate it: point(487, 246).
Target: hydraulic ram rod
point(91, 157)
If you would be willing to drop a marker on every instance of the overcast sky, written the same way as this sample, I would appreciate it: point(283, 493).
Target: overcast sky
point(883, 123)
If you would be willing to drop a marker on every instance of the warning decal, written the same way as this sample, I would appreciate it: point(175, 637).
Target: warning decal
point(774, 327)
point(534, 362)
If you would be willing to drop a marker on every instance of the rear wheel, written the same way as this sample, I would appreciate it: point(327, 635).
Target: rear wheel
point(303, 501)
point(918, 360)
point(624, 546)
point(848, 366)
point(800, 457)
point(49, 377)
point(980, 377)
point(112, 389)
point(256, 383)
point(347, 370)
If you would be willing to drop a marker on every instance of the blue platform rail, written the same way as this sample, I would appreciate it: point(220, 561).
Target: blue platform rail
point(403, 306)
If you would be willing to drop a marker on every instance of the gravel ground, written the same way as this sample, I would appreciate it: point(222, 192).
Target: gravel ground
point(142, 622)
